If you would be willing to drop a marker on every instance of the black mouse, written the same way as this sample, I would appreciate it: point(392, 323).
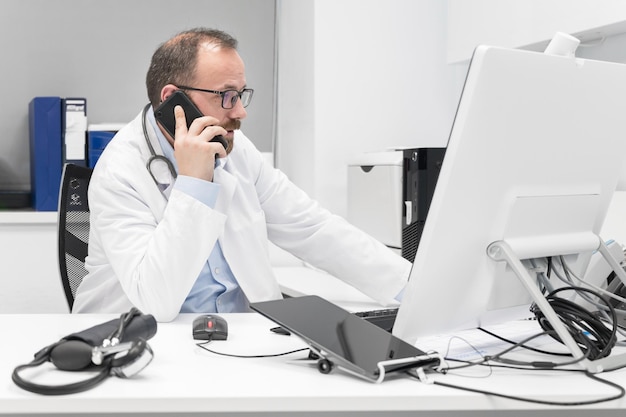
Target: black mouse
point(210, 327)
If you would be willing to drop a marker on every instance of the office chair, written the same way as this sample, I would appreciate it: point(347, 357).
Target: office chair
point(73, 228)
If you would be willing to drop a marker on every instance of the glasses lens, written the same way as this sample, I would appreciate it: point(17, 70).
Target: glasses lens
point(246, 96)
point(230, 97)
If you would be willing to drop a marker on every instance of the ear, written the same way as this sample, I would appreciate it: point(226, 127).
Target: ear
point(167, 91)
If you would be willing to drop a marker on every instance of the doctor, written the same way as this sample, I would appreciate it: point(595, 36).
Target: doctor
point(182, 225)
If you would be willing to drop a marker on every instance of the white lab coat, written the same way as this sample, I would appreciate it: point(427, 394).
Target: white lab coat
point(147, 246)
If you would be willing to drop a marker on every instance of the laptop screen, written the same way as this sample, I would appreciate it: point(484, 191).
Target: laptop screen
point(349, 341)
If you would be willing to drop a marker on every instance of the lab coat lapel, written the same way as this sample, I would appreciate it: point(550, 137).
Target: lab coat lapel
point(228, 184)
point(255, 276)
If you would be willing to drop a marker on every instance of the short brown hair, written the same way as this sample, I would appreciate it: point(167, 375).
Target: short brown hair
point(174, 61)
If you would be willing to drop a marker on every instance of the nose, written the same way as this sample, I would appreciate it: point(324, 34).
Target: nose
point(238, 111)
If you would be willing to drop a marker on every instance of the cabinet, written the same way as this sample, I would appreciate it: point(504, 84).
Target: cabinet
point(30, 280)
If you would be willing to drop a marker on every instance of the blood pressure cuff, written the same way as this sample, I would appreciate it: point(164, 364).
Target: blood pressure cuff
point(74, 352)
point(79, 351)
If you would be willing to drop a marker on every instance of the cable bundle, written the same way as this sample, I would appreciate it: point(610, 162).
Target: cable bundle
point(589, 331)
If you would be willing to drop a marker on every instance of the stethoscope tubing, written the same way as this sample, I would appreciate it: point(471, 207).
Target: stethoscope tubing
point(154, 157)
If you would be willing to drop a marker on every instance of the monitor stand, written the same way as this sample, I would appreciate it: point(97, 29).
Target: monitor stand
point(502, 251)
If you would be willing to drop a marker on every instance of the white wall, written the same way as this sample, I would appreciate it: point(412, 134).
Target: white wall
point(528, 23)
point(357, 76)
point(295, 118)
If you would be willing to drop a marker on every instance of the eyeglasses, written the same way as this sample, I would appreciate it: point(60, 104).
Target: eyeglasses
point(229, 97)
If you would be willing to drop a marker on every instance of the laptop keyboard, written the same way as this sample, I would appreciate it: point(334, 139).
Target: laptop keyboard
point(382, 318)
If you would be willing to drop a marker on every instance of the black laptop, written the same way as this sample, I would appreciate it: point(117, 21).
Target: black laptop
point(341, 339)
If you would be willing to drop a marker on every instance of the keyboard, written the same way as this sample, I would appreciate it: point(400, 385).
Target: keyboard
point(383, 318)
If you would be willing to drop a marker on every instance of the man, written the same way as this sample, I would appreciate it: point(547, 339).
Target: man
point(182, 224)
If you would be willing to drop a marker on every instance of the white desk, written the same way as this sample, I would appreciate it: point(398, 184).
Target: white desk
point(184, 379)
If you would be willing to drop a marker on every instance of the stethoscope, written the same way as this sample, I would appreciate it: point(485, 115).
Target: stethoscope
point(154, 156)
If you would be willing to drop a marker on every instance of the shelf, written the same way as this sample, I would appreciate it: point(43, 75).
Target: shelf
point(28, 217)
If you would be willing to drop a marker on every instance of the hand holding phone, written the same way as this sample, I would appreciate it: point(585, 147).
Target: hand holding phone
point(220, 139)
point(164, 114)
point(191, 162)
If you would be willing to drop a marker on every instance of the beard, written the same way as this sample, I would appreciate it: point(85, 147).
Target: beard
point(233, 124)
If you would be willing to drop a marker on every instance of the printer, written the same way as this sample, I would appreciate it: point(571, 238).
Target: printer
point(389, 194)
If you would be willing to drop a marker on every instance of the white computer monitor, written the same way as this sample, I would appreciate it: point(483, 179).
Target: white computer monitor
point(534, 156)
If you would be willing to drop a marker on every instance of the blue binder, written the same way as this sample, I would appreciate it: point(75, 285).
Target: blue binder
point(46, 151)
point(96, 142)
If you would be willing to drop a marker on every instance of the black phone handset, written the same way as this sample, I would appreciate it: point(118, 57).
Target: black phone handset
point(164, 114)
point(220, 139)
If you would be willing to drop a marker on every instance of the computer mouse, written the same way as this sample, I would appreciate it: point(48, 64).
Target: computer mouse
point(210, 327)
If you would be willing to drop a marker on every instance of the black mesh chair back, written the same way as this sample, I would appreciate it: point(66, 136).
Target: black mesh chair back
point(73, 228)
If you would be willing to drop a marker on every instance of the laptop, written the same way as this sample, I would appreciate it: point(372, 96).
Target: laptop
point(343, 340)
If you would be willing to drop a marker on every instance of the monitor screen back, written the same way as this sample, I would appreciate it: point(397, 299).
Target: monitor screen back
point(534, 156)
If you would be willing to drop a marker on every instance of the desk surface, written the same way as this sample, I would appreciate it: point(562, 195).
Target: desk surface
point(183, 378)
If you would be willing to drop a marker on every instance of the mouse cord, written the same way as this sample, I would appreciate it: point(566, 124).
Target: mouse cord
point(201, 345)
